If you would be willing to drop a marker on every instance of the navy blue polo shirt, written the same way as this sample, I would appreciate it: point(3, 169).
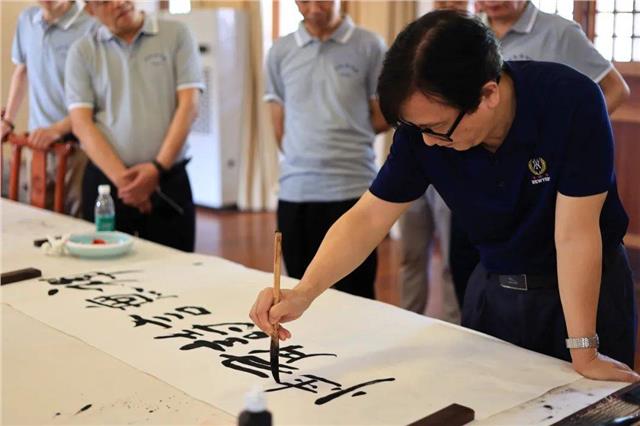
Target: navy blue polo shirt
point(560, 141)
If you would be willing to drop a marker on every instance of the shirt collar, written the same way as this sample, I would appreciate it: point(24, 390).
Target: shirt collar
point(64, 22)
point(341, 35)
point(149, 27)
point(526, 21)
point(72, 15)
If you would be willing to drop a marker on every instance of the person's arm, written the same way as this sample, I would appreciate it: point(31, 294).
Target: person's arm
point(274, 93)
point(574, 49)
point(378, 121)
point(615, 89)
point(94, 144)
point(185, 115)
point(347, 244)
point(579, 255)
point(376, 59)
point(81, 101)
point(144, 177)
point(17, 90)
point(277, 118)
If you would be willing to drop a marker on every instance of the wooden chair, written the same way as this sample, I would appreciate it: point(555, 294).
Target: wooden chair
point(62, 150)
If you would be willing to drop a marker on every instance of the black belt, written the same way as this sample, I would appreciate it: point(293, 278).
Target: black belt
point(524, 282)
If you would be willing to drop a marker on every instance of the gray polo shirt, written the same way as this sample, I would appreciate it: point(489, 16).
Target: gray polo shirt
point(325, 88)
point(43, 48)
point(132, 88)
point(539, 36)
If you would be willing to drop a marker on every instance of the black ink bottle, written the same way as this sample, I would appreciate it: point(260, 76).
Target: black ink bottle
point(255, 411)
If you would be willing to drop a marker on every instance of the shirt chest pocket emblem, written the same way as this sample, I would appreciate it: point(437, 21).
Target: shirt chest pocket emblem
point(346, 70)
point(538, 168)
point(156, 59)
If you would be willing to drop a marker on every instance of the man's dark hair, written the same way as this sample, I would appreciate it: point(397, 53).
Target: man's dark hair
point(445, 54)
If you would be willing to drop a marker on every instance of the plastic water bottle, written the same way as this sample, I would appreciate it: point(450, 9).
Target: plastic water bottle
point(105, 211)
point(255, 411)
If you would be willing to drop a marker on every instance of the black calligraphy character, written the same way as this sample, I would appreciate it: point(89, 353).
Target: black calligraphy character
point(292, 354)
point(89, 281)
point(252, 364)
point(193, 310)
point(187, 334)
point(163, 320)
point(331, 397)
point(138, 321)
point(223, 329)
point(120, 301)
point(308, 384)
point(311, 384)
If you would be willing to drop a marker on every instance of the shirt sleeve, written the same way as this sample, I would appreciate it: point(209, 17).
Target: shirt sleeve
point(274, 87)
point(588, 158)
point(400, 179)
point(18, 56)
point(576, 51)
point(375, 66)
point(78, 86)
point(187, 60)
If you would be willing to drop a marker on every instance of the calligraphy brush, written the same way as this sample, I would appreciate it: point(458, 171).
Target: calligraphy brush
point(275, 342)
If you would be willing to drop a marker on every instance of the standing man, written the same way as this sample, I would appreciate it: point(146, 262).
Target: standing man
point(132, 91)
point(505, 144)
point(526, 33)
point(321, 88)
point(42, 40)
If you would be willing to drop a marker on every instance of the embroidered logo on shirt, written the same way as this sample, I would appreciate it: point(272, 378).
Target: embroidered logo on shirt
point(538, 167)
point(520, 57)
point(346, 70)
point(156, 58)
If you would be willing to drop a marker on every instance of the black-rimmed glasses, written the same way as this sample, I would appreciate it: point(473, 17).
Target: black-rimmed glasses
point(442, 136)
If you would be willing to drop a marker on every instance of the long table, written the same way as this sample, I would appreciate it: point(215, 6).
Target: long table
point(56, 370)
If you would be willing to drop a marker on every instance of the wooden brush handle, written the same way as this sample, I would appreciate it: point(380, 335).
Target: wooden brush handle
point(277, 254)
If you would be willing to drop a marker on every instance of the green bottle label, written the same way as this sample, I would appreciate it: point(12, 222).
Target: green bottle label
point(105, 223)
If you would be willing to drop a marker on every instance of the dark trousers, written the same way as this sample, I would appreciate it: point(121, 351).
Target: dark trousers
point(534, 318)
point(164, 225)
point(303, 227)
point(463, 258)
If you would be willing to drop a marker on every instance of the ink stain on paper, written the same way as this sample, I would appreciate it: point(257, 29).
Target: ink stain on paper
point(85, 408)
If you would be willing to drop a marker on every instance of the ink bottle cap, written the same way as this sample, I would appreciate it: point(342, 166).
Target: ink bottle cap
point(254, 400)
point(104, 189)
point(255, 412)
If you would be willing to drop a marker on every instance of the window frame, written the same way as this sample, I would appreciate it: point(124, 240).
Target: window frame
point(584, 13)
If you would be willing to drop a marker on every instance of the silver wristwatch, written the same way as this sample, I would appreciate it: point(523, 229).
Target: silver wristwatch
point(583, 342)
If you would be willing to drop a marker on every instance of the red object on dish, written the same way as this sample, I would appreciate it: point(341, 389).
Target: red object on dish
point(98, 241)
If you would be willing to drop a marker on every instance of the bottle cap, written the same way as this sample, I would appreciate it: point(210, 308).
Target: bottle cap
point(104, 189)
point(254, 400)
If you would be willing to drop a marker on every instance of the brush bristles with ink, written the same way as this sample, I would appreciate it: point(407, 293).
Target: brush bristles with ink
point(275, 343)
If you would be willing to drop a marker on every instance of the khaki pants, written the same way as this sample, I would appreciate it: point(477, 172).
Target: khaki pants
point(427, 217)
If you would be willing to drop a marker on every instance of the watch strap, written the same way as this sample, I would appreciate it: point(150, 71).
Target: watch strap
point(583, 342)
point(162, 171)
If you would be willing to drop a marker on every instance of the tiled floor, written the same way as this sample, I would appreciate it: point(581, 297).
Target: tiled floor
point(247, 238)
